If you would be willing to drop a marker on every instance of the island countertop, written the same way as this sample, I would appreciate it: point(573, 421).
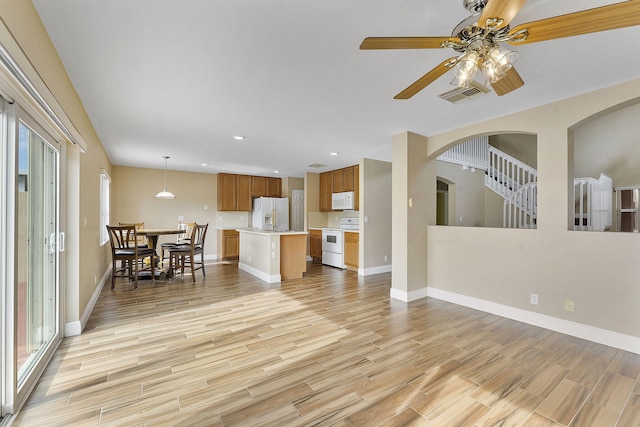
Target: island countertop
point(273, 256)
point(269, 233)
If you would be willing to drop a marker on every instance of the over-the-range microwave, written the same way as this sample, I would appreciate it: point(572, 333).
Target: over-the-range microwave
point(342, 201)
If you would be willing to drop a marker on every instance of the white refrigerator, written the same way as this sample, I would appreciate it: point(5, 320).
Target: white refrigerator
point(270, 213)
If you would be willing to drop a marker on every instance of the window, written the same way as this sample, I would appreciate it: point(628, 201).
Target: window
point(105, 183)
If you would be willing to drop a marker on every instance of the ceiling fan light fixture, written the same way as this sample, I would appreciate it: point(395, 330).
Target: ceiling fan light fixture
point(497, 62)
point(466, 69)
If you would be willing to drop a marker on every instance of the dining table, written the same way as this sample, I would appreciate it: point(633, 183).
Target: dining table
point(152, 235)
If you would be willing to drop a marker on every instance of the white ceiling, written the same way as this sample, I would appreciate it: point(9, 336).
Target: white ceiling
point(182, 78)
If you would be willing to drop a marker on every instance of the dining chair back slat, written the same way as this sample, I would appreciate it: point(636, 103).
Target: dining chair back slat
point(182, 256)
point(125, 248)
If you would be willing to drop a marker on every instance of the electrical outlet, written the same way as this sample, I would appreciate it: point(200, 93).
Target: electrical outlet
point(534, 299)
point(386, 257)
point(568, 305)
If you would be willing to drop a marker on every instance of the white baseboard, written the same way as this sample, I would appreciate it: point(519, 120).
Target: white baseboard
point(274, 278)
point(213, 257)
point(74, 328)
point(408, 296)
point(374, 270)
point(309, 258)
point(579, 330)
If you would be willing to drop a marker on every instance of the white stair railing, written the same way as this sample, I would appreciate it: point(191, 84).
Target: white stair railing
point(593, 200)
point(520, 210)
point(471, 154)
point(506, 174)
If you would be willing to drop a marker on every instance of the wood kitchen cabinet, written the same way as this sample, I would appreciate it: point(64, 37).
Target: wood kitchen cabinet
point(258, 186)
point(356, 188)
point(243, 193)
point(234, 192)
point(262, 186)
point(227, 192)
point(315, 245)
point(343, 179)
point(274, 187)
point(337, 176)
point(228, 244)
point(351, 250)
point(326, 189)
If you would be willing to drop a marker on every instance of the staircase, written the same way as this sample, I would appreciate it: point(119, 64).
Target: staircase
point(517, 183)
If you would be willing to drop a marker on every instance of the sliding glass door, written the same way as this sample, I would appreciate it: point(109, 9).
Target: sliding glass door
point(39, 241)
point(34, 244)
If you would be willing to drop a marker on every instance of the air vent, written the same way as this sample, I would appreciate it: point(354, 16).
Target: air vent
point(316, 165)
point(460, 94)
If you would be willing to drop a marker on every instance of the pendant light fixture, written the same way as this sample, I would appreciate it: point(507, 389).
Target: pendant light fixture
point(165, 194)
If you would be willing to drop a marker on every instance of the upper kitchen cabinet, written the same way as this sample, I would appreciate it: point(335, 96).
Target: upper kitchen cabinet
point(234, 192)
point(262, 186)
point(326, 188)
point(274, 187)
point(339, 181)
point(356, 188)
point(244, 193)
point(227, 192)
point(258, 186)
point(343, 179)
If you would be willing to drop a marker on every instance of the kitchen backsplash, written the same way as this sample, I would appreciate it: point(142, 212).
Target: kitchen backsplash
point(232, 219)
point(329, 219)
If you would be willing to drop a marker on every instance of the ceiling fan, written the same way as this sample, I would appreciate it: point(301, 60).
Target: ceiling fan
point(477, 40)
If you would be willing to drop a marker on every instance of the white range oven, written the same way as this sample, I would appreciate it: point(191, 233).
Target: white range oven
point(333, 247)
point(333, 242)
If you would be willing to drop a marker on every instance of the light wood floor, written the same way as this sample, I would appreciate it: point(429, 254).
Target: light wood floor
point(329, 349)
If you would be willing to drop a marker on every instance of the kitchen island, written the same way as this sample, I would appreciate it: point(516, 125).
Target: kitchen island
point(273, 256)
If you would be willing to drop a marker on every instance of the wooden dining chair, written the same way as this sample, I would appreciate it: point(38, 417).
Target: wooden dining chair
point(182, 239)
point(182, 256)
point(125, 248)
point(142, 242)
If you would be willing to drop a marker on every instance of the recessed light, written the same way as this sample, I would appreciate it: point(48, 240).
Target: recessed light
point(334, 153)
point(276, 171)
point(238, 137)
point(204, 164)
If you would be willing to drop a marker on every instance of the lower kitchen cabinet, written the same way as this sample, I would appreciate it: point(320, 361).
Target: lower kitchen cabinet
point(228, 244)
point(315, 245)
point(351, 250)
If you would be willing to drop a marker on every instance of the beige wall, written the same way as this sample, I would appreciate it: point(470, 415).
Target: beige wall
point(413, 210)
point(469, 195)
point(375, 204)
point(599, 271)
point(289, 184)
point(521, 146)
point(86, 260)
point(133, 197)
point(611, 145)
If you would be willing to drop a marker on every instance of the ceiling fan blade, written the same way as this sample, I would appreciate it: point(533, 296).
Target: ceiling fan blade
point(504, 10)
point(618, 15)
point(510, 82)
point(405, 42)
point(426, 80)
